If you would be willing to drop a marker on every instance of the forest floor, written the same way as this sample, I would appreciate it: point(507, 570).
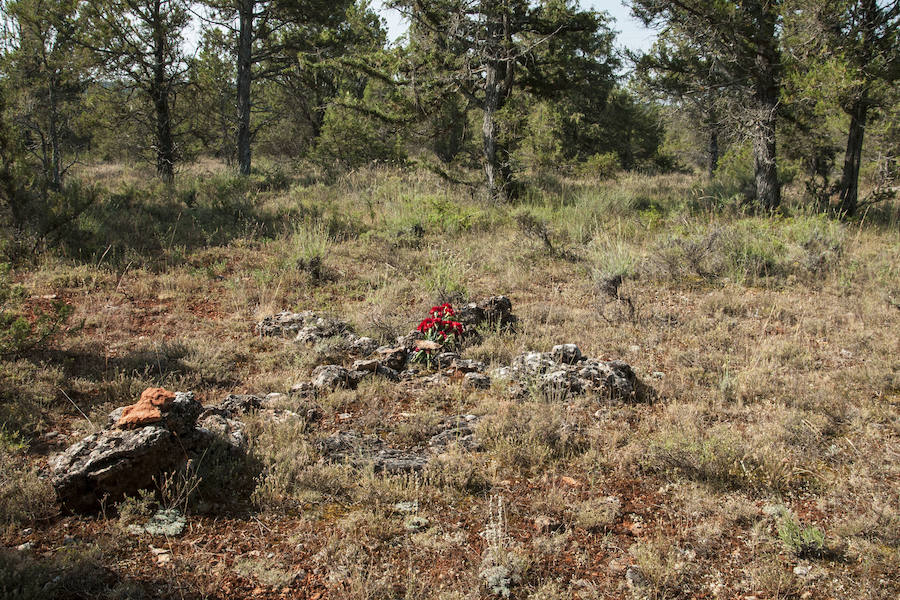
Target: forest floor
point(766, 466)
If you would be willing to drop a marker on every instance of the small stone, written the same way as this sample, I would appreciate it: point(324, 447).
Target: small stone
point(465, 365)
point(366, 365)
point(802, 570)
point(25, 546)
point(566, 353)
point(657, 375)
point(27, 531)
point(68, 539)
point(273, 399)
point(415, 523)
point(544, 524)
point(344, 416)
point(394, 358)
point(406, 507)
point(303, 389)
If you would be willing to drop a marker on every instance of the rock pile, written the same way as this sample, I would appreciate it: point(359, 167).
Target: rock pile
point(564, 371)
point(309, 327)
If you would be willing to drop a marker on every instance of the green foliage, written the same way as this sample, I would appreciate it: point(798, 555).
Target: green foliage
point(752, 249)
point(801, 541)
point(600, 166)
point(18, 334)
point(350, 140)
point(542, 146)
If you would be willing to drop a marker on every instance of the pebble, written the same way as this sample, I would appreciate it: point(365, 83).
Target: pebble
point(25, 546)
point(27, 531)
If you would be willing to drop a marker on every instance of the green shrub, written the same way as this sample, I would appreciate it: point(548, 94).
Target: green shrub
point(802, 541)
point(600, 166)
point(18, 334)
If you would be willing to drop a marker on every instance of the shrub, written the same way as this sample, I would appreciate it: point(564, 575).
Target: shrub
point(18, 334)
point(802, 541)
point(600, 166)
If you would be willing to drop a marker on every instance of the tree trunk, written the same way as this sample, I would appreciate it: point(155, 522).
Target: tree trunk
point(853, 156)
point(489, 131)
point(244, 65)
point(498, 81)
point(55, 159)
point(165, 141)
point(768, 190)
point(712, 153)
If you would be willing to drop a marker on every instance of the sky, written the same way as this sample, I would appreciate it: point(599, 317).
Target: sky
point(632, 34)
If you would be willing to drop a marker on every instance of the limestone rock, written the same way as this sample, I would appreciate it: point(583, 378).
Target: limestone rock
point(330, 377)
point(565, 372)
point(495, 311)
point(116, 461)
point(363, 346)
point(113, 462)
point(566, 353)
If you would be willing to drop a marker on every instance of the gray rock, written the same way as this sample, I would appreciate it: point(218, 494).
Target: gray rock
point(113, 462)
point(284, 324)
point(415, 523)
point(330, 377)
point(455, 430)
point(319, 328)
point(394, 358)
point(445, 359)
point(364, 450)
point(495, 311)
point(304, 389)
point(476, 381)
point(533, 363)
point(230, 430)
point(240, 404)
point(635, 578)
point(363, 346)
point(407, 507)
point(568, 354)
point(465, 365)
point(366, 365)
point(612, 380)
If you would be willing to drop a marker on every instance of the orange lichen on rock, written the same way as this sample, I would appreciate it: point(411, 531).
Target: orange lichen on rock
point(147, 410)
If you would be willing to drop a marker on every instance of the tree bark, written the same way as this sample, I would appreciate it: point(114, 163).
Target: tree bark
point(244, 78)
point(853, 157)
point(489, 132)
point(498, 82)
point(56, 159)
point(768, 189)
point(165, 141)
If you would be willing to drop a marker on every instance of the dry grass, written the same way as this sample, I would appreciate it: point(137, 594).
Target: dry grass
point(771, 343)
